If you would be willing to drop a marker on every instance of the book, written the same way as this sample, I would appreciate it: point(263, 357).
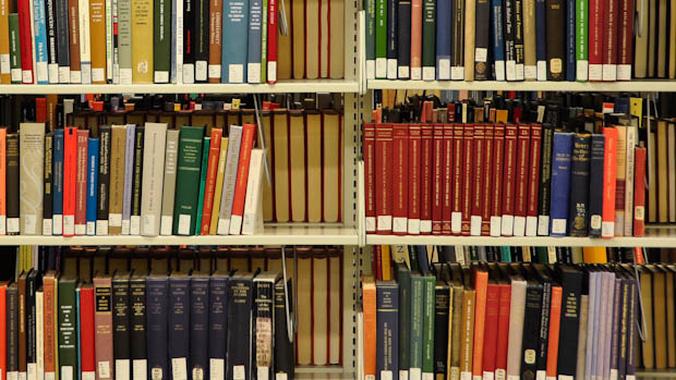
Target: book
point(561, 161)
point(187, 179)
point(241, 181)
point(387, 305)
point(92, 184)
point(157, 314)
point(141, 23)
point(239, 314)
point(31, 140)
point(121, 313)
point(153, 177)
point(103, 321)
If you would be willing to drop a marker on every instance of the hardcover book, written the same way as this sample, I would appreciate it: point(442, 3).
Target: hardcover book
point(187, 179)
point(153, 178)
point(32, 139)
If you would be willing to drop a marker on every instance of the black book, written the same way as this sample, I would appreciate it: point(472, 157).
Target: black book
point(240, 306)
point(482, 40)
point(547, 282)
point(510, 49)
point(404, 39)
point(188, 44)
point(218, 321)
point(179, 322)
point(63, 40)
point(441, 305)
point(199, 326)
point(392, 38)
point(47, 203)
point(201, 41)
point(544, 198)
point(457, 37)
point(579, 185)
point(137, 317)
point(572, 280)
point(284, 352)
point(52, 43)
point(556, 39)
point(32, 285)
point(517, 23)
point(137, 180)
point(157, 296)
point(104, 180)
point(264, 284)
point(12, 329)
point(596, 184)
point(121, 317)
point(531, 327)
point(12, 183)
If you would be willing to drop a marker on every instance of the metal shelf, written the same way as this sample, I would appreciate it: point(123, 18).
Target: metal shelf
point(625, 86)
point(319, 85)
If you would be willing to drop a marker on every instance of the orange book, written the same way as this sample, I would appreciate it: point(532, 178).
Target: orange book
point(215, 41)
point(97, 28)
point(248, 139)
point(369, 310)
point(481, 287)
point(212, 169)
point(49, 325)
point(554, 328)
point(594, 255)
point(3, 179)
point(3, 331)
point(609, 182)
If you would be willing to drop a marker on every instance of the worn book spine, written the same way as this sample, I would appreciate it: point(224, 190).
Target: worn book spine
point(545, 180)
point(121, 331)
point(187, 179)
point(81, 183)
point(157, 327)
point(252, 214)
point(579, 185)
point(562, 147)
point(161, 40)
point(141, 37)
point(124, 40)
point(103, 195)
point(529, 39)
point(283, 349)
point(138, 337)
point(92, 183)
point(137, 182)
point(31, 157)
point(216, 38)
point(116, 189)
point(154, 143)
point(469, 39)
point(168, 190)
point(639, 191)
point(48, 185)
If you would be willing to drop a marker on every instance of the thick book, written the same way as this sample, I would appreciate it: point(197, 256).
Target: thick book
point(118, 138)
point(103, 320)
point(610, 35)
point(216, 40)
point(252, 219)
point(31, 141)
point(516, 319)
point(218, 324)
point(509, 180)
point(529, 18)
point(92, 183)
point(121, 326)
point(137, 325)
point(199, 326)
point(562, 148)
point(263, 318)
point(154, 144)
point(387, 344)
point(161, 40)
point(67, 328)
point(579, 185)
point(482, 40)
point(556, 39)
point(187, 179)
point(234, 50)
point(254, 38)
point(157, 314)
point(178, 332)
point(531, 327)
point(169, 182)
point(97, 30)
point(239, 343)
point(469, 38)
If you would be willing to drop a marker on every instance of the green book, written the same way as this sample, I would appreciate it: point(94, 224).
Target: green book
point(67, 328)
point(264, 42)
point(429, 28)
point(505, 254)
point(14, 48)
point(404, 280)
point(381, 38)
point(162, 40)
point(203, 184)
point(416, 330)
point(428, 324)
point(542, 256)
point(370, 12)
point(581, 39)
point(187, 179)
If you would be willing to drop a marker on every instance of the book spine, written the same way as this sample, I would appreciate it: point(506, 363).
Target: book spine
point(239, 326)
point(556, 39)
point(234, 58)
point(522, 175)
point(81, 183)
point(370, 16)
point(610, 36)
point(510, 48)
point(104, 181)
point(498, 171)
point(369, 138)
point(138, 332)
point(5, 67)
point(416, 39)
point(582, 40)
point(31, 141)
point(544, 329)
point(283, 348)
point(554, 330)
point(103, 319)
point(188, 40)
point(124, 41)
point(218, 325)
point(201, 39)
point(141, 24)
point(443, 42)
point(232, 162)
point(447, 177)
point(253, 69)
point(503, 331)
point(176, 61)
point(470, 28)
point(466, 191)
point(531, 328)
point(400, 173)
point(629, 180)
point(414, 167)
point(202, 183)
point(216, 38)
point(52, 61)
point(383, 178)
point(426, 154)
point(85, 41)
point(92, 183)
point(609, 181)
point(571, 58)
point(252, 221)
point(112, 68)
point(220, 175)
point(498, 40)
point(12, 184)
point(625, 43)
point(212, 168)
point(74, 41)
point(121, 332)
point(490, 342)
point(3, 181)
point(154, 142)
point(533, 179)
point(381, 38)
point(456, 180)
point(579, 185)
point(272, 43)
point(168, 190)
point(596, 175)
point(97, 26)
point(478, 180)
point(161, 40)
point(187, 179)
point(562, 147)
point(239, 191)
point(87, 332)
point(157, 310)
point(392, 39)
point(128, 175)
point(387, 320)
point(596, 38)
point(639, 191)
point(518, 39)
point(544, 195)
point(437, 178)
point(15, 48)
point(40, 48)
point(404, 39)
point(509, 180)
point(48, 183)
point(482, 40)
point(541, 39)
point(427, 326)
point(199, 325)
point(529, 39)
point(137, 182)
point(57, 182)
point(416, 326)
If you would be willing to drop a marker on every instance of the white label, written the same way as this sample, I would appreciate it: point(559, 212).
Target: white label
point(464, 375)
point(500, 70)
point(284, 376)
point(457, 73)
point(595, 72)
point(166, 224)
point(403, 374)
point(104, 369)
point(455, 373)
point(215, 71)
point(456, 222)
point(3, 224)
point(511, 70)
point(101, 227)
point(98, 75)
point(496, 224)
point(566, 377)
point(238, 372)
point(381, 68)
point(559, 226)
point(198, 374)
point(415, 374)
point(122, 369)
point(428, 73)
point(500, 374)
point(216, 369)
point(607, 229)
point(80, 229)
point(530, 72)
point(135, 227)
point(115, 220)
point(384, 222)
point(425, 226)
point(475, 225)
point(404, 73)
point(444, 68)
point(399, 224)
point(480, 54)
point(30, 222)
point(507, 225)
point(179, 369)
point(272, 71)
point(613, 374)
point(189, 73)
point(543, 225)
point(66, 373)
point(223, 226)
point(161, 77)
point(519, 71)
point(391, 69)
point(184, 224)
point(12, 225)
point(385, 375)
point(253, 73)
point(22, 375)
point(531, 226)
point(416, 73)
point(140, 370)
point(519, 226)
point(47, 228)
point(487, 375)
point(32, 371)
point(75, 76)
point(371, 69)
point(91, 228)
point(609, 72)
point(48, 375)
point(16, 77)
point(235, 73)
point(156, 374)
point(125, 226)
point(540, 375)
point(201, 70)
point(541, 70)
point(370, 377)
point(5, 66)
point(639, 213)
point(428, 376)
point(148, 226)
point(370, 224)
point(623, 72)
point(125, 76)
point(43, 72)
point(88, 375)
point(595, 222)
point(630, 377)
point(513, 377)
point(582, 70)
point(414, 226)
point(53, 73)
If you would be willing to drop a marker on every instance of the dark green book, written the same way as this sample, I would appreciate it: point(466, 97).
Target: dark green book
point(14, 48)
point(428, 325)
point(429, 28)
point(203, 184)
point(162, 40)
point(370, 10)
point(416, 338)
point(381, 39)
point(187, 179)
point(67, 315)
point(404, 280)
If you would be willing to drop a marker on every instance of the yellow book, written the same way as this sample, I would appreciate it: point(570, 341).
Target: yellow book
point(213, 226)
point(337, 42)
point(142, 41)
point(284, 45)
point(594, 255)
point(313, 140)
point(297, 157)
point(5, 77)
point(298, 33)
point(331, 149)
point(386, 262)
point(97, 28)
point(636, 109)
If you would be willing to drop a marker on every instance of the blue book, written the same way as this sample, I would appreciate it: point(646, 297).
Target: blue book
point(253, 67)
point(128, 178)
point(179, 323)
point(571, 59)
point(562, 150)
point(239, 344)
point(218, 318)
point(403, 39)
point(57, 175)
point(444, 39)
point(40, 35)
point(421, 257)
point(199, 326)
point(235, 43)
point(387, 324)
point(541, 38)
point(505, 254)
point(498, 39)
point(596, 159)
point(157, 292)
point(92, 183)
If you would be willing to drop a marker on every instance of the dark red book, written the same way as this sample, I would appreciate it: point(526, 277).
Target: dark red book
point(503, 331)
point(522, 173)
point(81, 183)
point(69, 179)
point(446, 180)
point(476, 198)
point(437, 178)
point(212, 169)
point(272, 41)
point(383, 178)
point(596, 38)
point(457, 179)
point(498, 172)
point(610, 30)
point(509, 180)
point(487, 178)
point(40, 110)
point(26, 40)
point(369, 146)
point(427, 154)
point(491, 327)
point(625, 42)
point(467, 170)
point(533, 180)
point(400, 177)
point(639, 190)
point(87, 332)
point(414, 149)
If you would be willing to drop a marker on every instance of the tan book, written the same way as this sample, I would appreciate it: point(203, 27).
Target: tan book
point(331, 171)
point(454, 329)
point(467, 333)
point(325, 49)
point(652, 174)
point(662, 172)
point(671, 315)
point(662, 35)
point(268, 210)
point(5, 69)
point(313, 141)
point(337, 39)
point(281, 164)
point(517, 309)
point(304, 311)
point(660, 316)
point(311, 39)
point(641, 40)
point(529, 49)
point(470, 26)
point(298, 35)
point(154, 144)
point(647, 344)
point(672, 42)
point(141, 40)
point(117, 161)
point(297, 165)
point(97, 29)
point(320, 307)
point(215, 211)
point(651, 30)
point(671, 168)
point(284, 43)
point(582, 335)
point(335, 307)
point(32, 152)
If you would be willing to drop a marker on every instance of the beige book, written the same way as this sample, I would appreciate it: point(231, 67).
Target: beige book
point(621, 176)
point(5, 69)
point(252, 221)
point(671, 162)
point(337, 39)
point(284, 44)
point(268, 211)
point(662, 173)
point(529, 49)
point(320, 306)
point(281, 166)
point(325, 49)
point(331, 152)
point(297, 165)
point(97, 29)
point(662, 35)
point(154, 143)
point(298, 35)
point(213, 226)
point(311, 39)
point(647, 343)
point(141, 40)
point(335, 316)
point(32, 152)
point(672, 42)
point(470, 26)
point(660, 315)
point(517, 308)
point(651, 29)
point(304, 311)
point(641, 40)
point(453, 295)
point(467, 333)
point(671, 316)
point(582, 335)
point(117, 152)
point(313, 140)
point(652, 173)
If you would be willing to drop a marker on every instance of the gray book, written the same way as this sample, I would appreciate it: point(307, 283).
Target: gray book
point(169, 191)
point(229, 179)
point(31, 141)
point(153, 177)
point(124, 40)
point(128, 178)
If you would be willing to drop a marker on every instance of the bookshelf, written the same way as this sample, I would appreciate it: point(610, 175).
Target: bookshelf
point(628, 86)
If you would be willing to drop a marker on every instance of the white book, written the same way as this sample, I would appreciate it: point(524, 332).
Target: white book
point(85, 42)
point(252, 220)
point(109, 40)
point(177, 42)
point(154, 143)
point(229, 179)
point(168, 191)
point(629, 181)
point(31, 174)
point(40, 334)
point(516, 317)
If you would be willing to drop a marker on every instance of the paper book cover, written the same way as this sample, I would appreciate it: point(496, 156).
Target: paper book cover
point(32, 139)
point(97, 27)
point(153, 177)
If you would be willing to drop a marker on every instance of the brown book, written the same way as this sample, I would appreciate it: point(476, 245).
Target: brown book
point(297, 165)
point(331, 149)
point(49, 285)
point(74, 26)
point(337, 39)
point(97, 28)
point(280, 149)
point(641, 40)
point(117, 161)
point(467, 332)
point(103, 320)
point(672, 42)
point(298, 35)
point(670, 299)
point(313, 146)
point(5, 73)
point(660, 316)
point(268, 204)
point(284, 44)
point(215, 40)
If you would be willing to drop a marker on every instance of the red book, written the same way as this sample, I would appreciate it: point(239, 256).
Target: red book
point(40, 110)
point(437, 175)
point(610, 41)
point(272, 41)
point(3, 331)
point(26, 40)
point(509, 180)
point(521, 175)
point(446, 180)
point(400, 177)
point(69, 179)
point(609, 182)
point(81, 183)
point(369, 145)
point(414, 149)
point(639, 190)
point(498, 172)
point(87, 332)
point(491, 330)
point(383, 183)
point(457, 180)
point(625, 43)
point(467, 167)
point(481, 286)
point(487, 177)
point(248, 139)
point(596, 29)
point(554, 329)
point(478, 156)
point(533, 180)
point(212, 169)
point(426, 152)
point(503, 331)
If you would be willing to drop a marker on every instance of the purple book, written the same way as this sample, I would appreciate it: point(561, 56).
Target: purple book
point(624, 330)
point(593, 324)
point(607, 326)
point(632, 341)
point(617, 321)
point(128, 177)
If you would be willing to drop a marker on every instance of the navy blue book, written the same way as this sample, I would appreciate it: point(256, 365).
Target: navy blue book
point(562, 149)
point(404, 39)
point(121, 338)
point(92, 183)
point(179, 322)
point(422, 259)
point(541, 38)
point(387, 326)
point(444, 39)
point(57, 180)
point(392, 39)
point(254, 43)
point(498, 39)
point(284, 353)
point(137, 319)
point(218, 321)
point(199, 326)
point(571, 59)
point(157, 306)
point(579, 185)
point(598, 142)
point(240, 306)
